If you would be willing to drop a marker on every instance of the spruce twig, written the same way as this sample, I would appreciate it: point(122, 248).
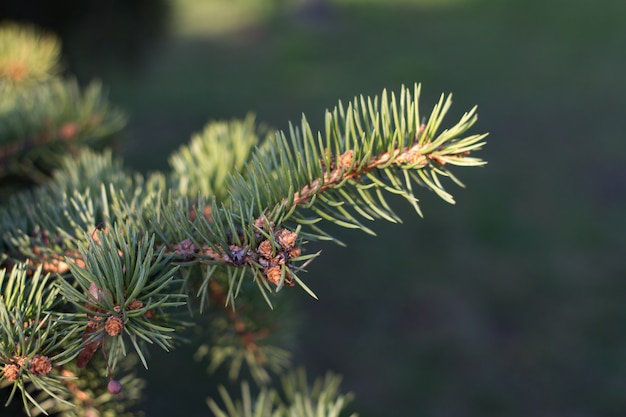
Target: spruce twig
point(121, 247)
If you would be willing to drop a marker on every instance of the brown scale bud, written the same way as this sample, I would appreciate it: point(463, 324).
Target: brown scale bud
point(11, 371)
point(273, 274)
point(278, 259)
point(186, 249)
point(286, 238)
point(238, 255)
point(114, 326)
point(262, 223)
point(412, 157)
point(294, 253)
point(346, 158)
point(265, 249)
point(40, 365)
point(135, 304)
point(217, 256)
point(93, 323)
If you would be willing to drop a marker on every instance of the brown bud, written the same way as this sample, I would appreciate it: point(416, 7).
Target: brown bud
point(345, 159)
point(11, 371)
point(114, 326)
point(93, 323)
point(135, 304)
point(217, 256)
point(286, 238)
point(186, 249)
point(273, 275)
point(40, 365)
point(95, 292)
point(265, 249)
point(411, 157)
point(278, 260)
point(238, 255)
point(294, 253)
point(262, 223)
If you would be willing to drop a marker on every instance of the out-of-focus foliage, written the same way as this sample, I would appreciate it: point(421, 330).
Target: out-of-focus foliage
point(27, 54)
point(44, 117)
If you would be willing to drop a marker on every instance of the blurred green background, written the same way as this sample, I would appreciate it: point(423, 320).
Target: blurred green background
point(512, 302)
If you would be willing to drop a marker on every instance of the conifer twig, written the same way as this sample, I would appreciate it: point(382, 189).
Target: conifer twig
point(346, 170)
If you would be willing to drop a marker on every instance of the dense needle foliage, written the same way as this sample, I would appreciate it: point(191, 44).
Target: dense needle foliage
point(98, 263)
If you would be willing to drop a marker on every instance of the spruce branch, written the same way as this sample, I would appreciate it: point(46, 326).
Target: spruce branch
point(245, 336)
point(42, 116)
point(35, 341)
point(264, 404)
point(203, 165)
point(126, 251)
point(123, 287)
point(86, 394)
point(373, 145)
point(323, 398)
point(27, 54)
point(41, 123)
point(296, 399)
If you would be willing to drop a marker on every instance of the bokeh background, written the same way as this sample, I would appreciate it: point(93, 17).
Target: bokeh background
point(511, 302)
